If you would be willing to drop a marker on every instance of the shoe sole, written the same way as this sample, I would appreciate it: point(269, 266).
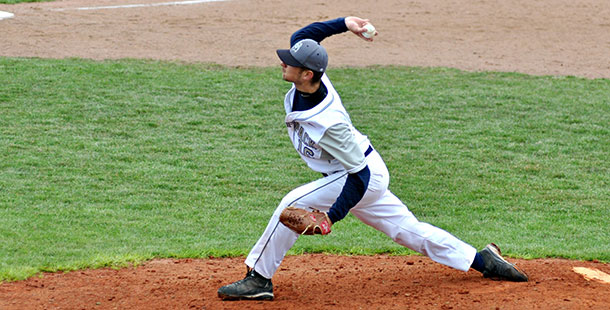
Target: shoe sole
point(260, 296)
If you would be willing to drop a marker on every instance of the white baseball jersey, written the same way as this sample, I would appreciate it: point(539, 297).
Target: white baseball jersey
point(306, 129)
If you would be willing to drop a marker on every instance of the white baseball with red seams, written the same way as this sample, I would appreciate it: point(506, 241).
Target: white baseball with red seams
point(370, 31)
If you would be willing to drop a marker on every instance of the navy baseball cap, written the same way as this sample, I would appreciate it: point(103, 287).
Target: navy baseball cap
point(306, 53)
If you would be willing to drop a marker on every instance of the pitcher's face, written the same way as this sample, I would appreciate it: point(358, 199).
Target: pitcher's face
point(292, 74)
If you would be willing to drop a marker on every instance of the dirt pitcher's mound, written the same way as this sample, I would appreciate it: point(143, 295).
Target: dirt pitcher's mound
point(318, 281)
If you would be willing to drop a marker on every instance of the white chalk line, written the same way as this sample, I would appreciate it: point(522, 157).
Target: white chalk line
point(4, 15)
point(137, 5)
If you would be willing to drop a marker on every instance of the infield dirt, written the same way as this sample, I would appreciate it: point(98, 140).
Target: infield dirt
point(557, 37)
point(547, 37)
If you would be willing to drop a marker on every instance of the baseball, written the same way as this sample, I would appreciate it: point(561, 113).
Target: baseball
point(370, 31)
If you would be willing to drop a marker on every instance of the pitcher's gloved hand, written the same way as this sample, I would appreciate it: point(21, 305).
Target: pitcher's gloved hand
point(306, 222)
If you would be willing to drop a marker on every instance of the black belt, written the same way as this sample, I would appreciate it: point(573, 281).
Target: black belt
point(366, 153)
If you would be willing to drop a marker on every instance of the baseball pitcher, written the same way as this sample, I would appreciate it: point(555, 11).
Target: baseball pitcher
point(354, 177)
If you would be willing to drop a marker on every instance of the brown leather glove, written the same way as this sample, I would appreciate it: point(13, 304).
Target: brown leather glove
point(306, 222)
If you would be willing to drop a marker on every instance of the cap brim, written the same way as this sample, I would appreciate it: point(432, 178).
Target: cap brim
point(287, 58)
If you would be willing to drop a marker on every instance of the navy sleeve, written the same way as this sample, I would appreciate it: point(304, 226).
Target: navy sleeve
point(353, 190)
point(319, 31)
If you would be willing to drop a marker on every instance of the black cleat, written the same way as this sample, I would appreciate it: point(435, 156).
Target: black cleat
point(498, 268)
point(253, 286)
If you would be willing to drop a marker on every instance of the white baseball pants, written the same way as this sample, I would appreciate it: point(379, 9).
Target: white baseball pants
point(378, 208)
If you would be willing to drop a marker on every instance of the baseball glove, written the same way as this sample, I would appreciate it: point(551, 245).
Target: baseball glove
point(306, 222)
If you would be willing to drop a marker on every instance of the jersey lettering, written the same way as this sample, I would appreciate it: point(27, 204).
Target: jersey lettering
point(303, 143)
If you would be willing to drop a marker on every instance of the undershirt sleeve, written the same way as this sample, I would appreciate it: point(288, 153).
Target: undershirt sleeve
point(319, 31)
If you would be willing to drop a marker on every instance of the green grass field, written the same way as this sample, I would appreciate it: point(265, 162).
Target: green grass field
point(116, 162)
point(21, 1)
